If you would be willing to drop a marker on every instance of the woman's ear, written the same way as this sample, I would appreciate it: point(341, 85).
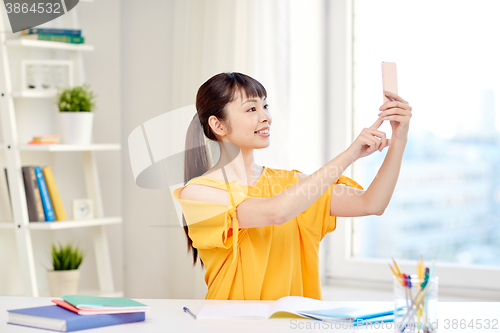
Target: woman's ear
point(216, 126)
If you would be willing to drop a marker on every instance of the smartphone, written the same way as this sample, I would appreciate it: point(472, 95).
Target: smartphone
point(389, 79)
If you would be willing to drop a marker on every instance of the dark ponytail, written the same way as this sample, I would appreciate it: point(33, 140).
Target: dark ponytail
point(211, 100)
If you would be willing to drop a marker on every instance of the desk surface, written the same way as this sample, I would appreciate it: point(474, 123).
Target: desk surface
point(166, 315)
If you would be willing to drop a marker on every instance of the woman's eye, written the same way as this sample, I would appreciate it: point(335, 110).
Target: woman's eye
point(254, 109)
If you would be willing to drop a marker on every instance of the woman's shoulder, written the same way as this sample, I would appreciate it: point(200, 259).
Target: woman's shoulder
point(199, 192)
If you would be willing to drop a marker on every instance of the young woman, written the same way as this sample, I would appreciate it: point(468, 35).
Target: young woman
point(257, 229)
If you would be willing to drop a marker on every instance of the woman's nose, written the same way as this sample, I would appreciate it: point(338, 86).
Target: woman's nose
point(265, 116)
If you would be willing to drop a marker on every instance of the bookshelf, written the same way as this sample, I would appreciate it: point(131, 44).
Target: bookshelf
point(67, 224)
point(66, 147)
point(13, 151)
point(33, 94)
point(49, 45)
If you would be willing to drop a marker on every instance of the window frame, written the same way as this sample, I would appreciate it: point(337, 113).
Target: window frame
point(340, 267)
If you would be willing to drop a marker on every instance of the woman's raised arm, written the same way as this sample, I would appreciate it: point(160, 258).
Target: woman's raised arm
point(354, 202)
point(276, 210)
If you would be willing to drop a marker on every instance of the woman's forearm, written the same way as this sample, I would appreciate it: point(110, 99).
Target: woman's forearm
point(298, 197)
point(380, 191)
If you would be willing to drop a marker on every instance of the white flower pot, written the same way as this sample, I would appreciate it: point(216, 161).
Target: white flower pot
point(76, 127)
point(63, 282)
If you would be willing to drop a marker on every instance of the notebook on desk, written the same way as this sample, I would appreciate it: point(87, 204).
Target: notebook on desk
point(291, 305)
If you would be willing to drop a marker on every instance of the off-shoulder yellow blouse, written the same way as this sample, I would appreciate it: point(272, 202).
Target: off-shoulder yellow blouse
point(263, 263)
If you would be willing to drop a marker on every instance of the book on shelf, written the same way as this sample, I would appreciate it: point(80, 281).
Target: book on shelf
point(53, 31)
point(33, 198)
point(55, 38)
point(8, 187)
point(44, 194)
point(57, 318)
point(45, 139)
point(57, 205)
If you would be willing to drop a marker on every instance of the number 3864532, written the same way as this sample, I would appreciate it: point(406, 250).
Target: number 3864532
point(36, 8)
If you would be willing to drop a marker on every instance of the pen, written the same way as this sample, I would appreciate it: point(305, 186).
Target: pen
point(188, 311)
point(418, 299)
point(431, 275)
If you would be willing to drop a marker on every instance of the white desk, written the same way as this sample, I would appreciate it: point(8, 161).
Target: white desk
point(166, 315)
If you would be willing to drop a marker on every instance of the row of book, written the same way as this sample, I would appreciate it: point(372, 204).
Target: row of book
point(78, 312)
point(42, 196)
point(73, 36)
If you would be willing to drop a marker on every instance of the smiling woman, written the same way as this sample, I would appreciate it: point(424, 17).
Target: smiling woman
point(258, 229)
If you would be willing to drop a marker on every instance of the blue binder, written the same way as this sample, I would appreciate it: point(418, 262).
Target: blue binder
point(44, 194)
point(64, 320)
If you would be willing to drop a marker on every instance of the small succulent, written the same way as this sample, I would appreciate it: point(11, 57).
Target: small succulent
point(66, 257)
point(76, 99)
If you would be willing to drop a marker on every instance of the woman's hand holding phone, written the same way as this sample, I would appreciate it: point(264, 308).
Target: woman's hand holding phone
point(399, 113)
point(371, 139)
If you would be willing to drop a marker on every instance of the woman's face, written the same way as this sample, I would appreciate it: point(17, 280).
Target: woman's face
point(247, 115)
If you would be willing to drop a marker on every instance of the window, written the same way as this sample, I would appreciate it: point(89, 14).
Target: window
point(446, 202)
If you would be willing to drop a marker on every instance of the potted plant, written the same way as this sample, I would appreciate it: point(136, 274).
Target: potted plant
point(64, 278)
point(75, 113)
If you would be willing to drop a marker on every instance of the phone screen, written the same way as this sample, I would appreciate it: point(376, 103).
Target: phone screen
point(389, 79)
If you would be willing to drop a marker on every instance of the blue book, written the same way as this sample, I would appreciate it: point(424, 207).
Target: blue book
point(54, 317)
point(53, 31)
point(44, 194)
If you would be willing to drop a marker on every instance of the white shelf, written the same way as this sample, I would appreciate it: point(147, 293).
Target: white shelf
point(49, 44)
point(2, 146)
point(7, 225)
point(74, 224)
point(66, 147)
point(33, 94)
point(70, 224)
point(94, 292)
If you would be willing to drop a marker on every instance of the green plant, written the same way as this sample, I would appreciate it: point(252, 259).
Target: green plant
point(66, 257)
point(76, 99)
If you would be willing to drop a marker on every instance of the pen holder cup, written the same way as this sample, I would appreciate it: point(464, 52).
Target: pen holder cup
point(415, 308)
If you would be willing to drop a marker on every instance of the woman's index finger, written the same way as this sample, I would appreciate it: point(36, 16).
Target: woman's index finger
point(377, 123)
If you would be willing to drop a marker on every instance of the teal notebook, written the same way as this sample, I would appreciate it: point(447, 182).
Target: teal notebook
point(97, 303)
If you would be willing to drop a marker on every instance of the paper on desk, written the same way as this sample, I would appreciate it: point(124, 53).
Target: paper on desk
point(235, 311)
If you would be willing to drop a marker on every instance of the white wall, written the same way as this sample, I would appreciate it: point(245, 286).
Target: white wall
point(157, 263)
point(100, 25)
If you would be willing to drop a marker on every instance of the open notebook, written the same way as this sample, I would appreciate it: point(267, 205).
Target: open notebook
point(296, 305)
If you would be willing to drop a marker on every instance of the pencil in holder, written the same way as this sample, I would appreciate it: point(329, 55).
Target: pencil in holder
point(418, 297)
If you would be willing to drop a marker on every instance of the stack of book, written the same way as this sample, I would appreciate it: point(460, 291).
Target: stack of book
point(42, 196)
point(45, 139)
point(54, 35)
point(78, 312)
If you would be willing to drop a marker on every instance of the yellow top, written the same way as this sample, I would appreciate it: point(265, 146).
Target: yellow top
point(263, 263)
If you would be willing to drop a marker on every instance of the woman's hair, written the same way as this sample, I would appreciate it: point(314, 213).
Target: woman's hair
point(211, 100)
